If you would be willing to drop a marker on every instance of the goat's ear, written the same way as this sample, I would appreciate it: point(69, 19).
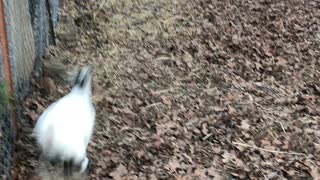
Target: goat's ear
point(78, 78)
point(84, 76)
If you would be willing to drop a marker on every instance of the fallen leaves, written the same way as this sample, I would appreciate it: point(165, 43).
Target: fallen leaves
point(281, 61)
point(166, 100)
point(245, 125)
point(119, 172)
point(173, 164)
point(179, 84)
point(48, 86)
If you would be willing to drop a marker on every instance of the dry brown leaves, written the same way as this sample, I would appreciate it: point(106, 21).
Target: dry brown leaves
point(179, 82)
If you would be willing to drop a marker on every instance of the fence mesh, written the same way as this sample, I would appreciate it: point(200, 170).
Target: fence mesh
point(6, 128)
point(7, 145)
point(29, 30)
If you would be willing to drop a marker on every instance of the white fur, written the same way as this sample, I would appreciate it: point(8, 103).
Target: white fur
point(66, 126)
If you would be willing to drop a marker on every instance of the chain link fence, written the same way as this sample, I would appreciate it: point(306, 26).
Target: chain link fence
point(7, 135)
point(30, 28)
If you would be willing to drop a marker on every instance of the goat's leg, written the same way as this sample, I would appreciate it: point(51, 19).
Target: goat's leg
point(54, 161)
point(89, 166)
point(67, 168)
point(44, 161)
point(84, 165)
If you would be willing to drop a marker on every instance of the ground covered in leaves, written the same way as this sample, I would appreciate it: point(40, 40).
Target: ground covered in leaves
point(201, 89)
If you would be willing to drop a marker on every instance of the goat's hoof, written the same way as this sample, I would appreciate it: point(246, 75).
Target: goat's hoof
point(54, 162)
point(89, 167)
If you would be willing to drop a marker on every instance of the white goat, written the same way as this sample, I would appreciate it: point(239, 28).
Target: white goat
point(65, 128)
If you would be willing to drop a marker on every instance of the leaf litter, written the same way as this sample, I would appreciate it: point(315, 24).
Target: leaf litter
point(189, 89)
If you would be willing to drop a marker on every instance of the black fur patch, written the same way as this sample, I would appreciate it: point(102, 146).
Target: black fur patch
point(78, 78)
point(83, 78)
point(82, 81)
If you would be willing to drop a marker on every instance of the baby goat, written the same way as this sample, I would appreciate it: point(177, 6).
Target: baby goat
point(65, 128)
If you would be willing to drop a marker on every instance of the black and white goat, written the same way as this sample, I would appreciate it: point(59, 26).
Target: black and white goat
point(65, 128)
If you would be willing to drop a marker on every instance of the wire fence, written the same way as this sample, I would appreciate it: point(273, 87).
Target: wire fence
point(29, 30)
point(7, 135)
point(7, 148)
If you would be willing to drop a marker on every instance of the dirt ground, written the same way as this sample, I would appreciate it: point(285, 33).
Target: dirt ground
point(201, 89)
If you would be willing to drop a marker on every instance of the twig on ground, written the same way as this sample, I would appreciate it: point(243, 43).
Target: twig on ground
point(163, 91)
point(95, 13)
point(273, 151)
point(207, 136)
point(153, 105)
point(282, 127)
